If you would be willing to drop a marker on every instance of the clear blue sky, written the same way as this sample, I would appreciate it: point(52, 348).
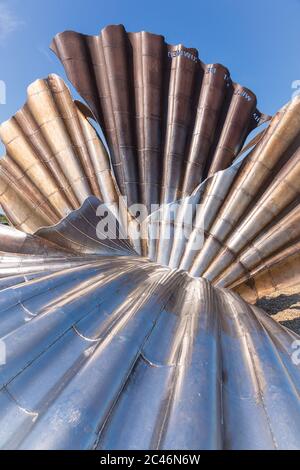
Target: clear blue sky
point(258, 40)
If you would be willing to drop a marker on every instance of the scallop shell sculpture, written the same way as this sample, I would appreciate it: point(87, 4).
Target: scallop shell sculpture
point(115, 341)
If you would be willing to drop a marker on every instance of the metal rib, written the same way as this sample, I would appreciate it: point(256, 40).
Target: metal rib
point(83, 358)
point(91, 330)
point(54, 160)
point(161, 109)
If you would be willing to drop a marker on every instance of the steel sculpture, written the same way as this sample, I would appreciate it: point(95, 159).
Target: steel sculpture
point(124, 342)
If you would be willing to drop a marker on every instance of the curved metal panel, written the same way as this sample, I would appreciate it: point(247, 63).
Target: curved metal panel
point(55, 159)
point(92, 331)
point(88, 345)
point(168, 118)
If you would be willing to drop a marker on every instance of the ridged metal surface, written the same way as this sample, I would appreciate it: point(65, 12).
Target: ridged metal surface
point(108, 349)
point(168, 118)
point(90, 341)
point(278, 273)
point(247, 214)
point(259, 215)
point(54, 160)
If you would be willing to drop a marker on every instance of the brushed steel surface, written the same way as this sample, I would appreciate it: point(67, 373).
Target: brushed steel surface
point(118, 343)
point(168, 118)
point(55, 159)
point(88, 345)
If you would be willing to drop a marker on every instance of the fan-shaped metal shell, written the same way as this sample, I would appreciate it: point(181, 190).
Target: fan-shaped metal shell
point(248, 213)
point(93, 335)
point(54, 159)
point(168, 118)
point(108, 349)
